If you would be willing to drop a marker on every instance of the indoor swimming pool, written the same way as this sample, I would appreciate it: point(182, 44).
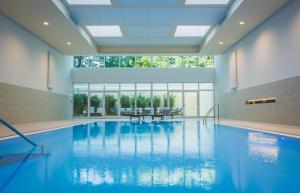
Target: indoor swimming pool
point(158, 156)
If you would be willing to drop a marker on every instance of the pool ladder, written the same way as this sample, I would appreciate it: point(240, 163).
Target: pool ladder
point(17, 132)
point(213, 108)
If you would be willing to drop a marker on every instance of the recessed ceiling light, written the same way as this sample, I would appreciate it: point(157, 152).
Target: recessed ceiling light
point(221, 43)
point(207, 2)
point(69, 43)
point(242, 22)
point(105, 31)
point(45, 23)
point(191, 31)
point(89, 2)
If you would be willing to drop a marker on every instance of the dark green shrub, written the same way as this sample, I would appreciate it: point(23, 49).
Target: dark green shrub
point(80, 101)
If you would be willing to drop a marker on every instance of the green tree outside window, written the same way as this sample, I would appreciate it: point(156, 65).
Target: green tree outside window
point(127, 61)
point(143, 61)
point(112, 61)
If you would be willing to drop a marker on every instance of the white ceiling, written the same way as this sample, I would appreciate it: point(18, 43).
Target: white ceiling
point(147, 22)
point(148, 26)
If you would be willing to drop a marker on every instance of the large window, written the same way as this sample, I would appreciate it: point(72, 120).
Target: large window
point(80, 100)
point(187, 99)
point(159, 97)
point(127, 99)
point(175, 62)
point(96, 104)
point(111, 104)
point(127, 61)
point(112, 61)
point(190, 61)
point(89, 61)
point(159, 61)
point(206, 98)
point(143, 61)
point(143, 98)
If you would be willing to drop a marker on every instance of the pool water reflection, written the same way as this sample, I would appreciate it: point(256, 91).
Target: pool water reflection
point(162, 156)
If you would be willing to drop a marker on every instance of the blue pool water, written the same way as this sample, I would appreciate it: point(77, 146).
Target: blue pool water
point(175, 156)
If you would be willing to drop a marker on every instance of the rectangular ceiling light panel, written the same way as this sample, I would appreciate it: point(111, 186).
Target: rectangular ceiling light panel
point(207, 2)
point(89, 2)
point(191, 31)
point(105, 31)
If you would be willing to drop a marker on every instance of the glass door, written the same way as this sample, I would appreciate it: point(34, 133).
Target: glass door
point(190, 104)
point(127, 103)
point(80, 104)
point(206, 101)
point(175, 100)
point(96, 104)
point(111, 103)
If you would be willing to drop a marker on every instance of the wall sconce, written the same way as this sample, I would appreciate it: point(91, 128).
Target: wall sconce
point(260, 101)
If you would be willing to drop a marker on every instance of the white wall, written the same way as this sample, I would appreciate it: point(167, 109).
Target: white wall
point(23, 60)
point(143, 75)
point(269, 53)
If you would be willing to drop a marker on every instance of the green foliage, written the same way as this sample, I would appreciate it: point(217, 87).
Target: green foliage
point(143, 101)
point(156, 103)
point(171, 60)
point(165, 98)
point(110, 105)
point(174, 61)
point(125, 101)
point(143, 61)
point(80, 101)
point(206, 61)
point(189, 61)
point(127, 61)
point(159, 61)
point(112, 61)
point(172, 101)
point(95, 102)
point(89, 61)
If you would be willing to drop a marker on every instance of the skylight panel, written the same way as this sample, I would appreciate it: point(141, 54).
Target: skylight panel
point(207, 2)
point(89, 2)
point(105, 31)
point(191, 31)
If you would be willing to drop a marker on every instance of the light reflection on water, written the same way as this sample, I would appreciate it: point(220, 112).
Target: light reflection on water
point(148, 154)
point(264, 147)
point(159, 156)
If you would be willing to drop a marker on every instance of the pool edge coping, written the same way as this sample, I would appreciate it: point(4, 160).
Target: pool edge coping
point(261, 130)
point(45, 130)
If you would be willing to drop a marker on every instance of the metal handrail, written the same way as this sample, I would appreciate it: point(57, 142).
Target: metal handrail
point(209, 111)
point(17, 132)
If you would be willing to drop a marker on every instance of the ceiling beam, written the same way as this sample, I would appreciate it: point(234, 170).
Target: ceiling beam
point(148, 50)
